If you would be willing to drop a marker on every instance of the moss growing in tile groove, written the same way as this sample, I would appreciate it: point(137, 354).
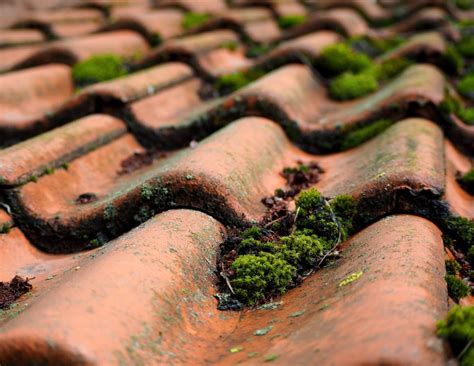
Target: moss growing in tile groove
point(451, 61)
point(229, 83)
point(452, 267)
point(358, 136)
point(193, 20)
point(288, 21)
point(458, 329)
point(339, 58)
point(467, 181)
point(466, 86)
point(464, 4)
point(349, 86)
point(466, 46)
point(98, 68)
point(264, 260)
point(457, 289)
point(451, 105)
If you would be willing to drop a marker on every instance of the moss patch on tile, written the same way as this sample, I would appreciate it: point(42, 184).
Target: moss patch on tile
point(98, 68)
point(193, 20)
point(458, 329)
point(466, 86)
point(339, 58)
point(467, 181)
point(288, 21)
point(357, 137)
point(349, 86)
point(457, 289)
point(229, 83)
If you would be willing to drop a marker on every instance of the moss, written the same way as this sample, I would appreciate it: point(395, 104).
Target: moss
point(288, 21)
point(351, 278)
point(5, 228)
point(468, 180)
point(457, 289)
point(458, 329)
point(229, 83)
point(257, 276)
point(230, 45)
point(254, 246)
point(256, 50)
point(308, 200)
point(451, 61)
point(466, 46)
point(464, 4)
point(302, 250)
point(192, 20)
point(391, 67)
point(466, 86)
point(338, 58)
point(98, 68)
point(466, 115)
point(349, 86)
point(357, 137)
point(461, 231)
point(452, 267)
point(254, 232)
point(65, 166)
point(470, 255)
point(345, 209)
point(374, 46)
point(49, 171)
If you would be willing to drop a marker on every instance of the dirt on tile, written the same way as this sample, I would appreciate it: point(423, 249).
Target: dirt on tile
point(139, 160)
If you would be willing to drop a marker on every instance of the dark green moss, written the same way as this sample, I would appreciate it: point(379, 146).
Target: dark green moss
point(466, 86)
point(254, 246)
point(229, 83)
point(258, 276)
point(373, 47)
point(338, 58)
point(288, 21)
point(391, 67)
point(192, 20)
point(345, 209)
point(458, 329)
point(451, 105)
point(452, 267)
point(466, 115)
point(254, 232)
point(468, 180)
point(464, 4)
point(98, 68)
point(5, 228)
point(470, 255)
point(451, 61)
point(466, 46)
point(349, 86)
point(457, 289)
point(461, 232)
point(357, 137)
point(230, 45)
point(258, 49)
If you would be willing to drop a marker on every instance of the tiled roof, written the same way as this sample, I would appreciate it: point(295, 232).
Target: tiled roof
point(120, 275)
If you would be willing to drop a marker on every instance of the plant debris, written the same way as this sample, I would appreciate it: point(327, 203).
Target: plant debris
point(139, 160)
point(84, 198)
point(11, 291)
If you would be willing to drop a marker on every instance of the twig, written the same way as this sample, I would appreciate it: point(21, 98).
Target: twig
point(333, 217)
point(465, 349)
point(294, 222)
point(6, 207)
point(227, 282)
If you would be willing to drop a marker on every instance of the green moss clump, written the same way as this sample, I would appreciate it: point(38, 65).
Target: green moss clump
point(468, 180)
point(470, 255)
point(229, 83)
point(302, 250)
point(452, 267)
point(254, 232)
point(466, 46)
point(391, 67)
point(230, 45)
point(357, 137)
point(349, 86)
point(338, 58)
point(254, 246)
point(464, 4)
point(98, 68)
point(451, 105)
point(458, 329)
point(288, 21)
point(345, 209)
point(451, 61)
point(457, 289)
point(259, 276)
point(466, 86)
point(258, 49)
point(461, 232)
point(192, 20)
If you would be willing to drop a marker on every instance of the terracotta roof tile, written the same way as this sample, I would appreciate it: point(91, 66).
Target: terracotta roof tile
point(122, 203)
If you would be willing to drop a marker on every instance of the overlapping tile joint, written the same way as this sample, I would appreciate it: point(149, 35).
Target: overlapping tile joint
point(118, 279)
